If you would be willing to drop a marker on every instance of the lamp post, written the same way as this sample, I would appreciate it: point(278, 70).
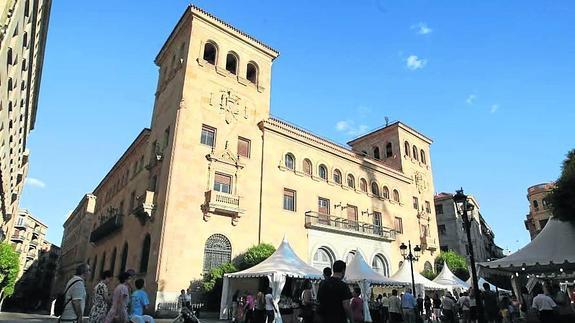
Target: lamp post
point(411, 256)
point(462, 203)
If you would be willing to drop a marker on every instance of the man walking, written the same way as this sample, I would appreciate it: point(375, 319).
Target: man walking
point(490, 304)
point(333, 296)
point(140, 302)
point(408, 304)
point(75, 296)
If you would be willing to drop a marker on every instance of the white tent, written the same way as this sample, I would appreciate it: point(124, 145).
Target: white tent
point(481, 281)
point(552, 251)
point(403, 275)
point(447, 278)
point(276, 268)
point(359, 272)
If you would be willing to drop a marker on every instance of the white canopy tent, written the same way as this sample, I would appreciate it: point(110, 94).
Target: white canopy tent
point(481, 281)
point(281, 264)
point(359, 272)
point(403, 275)
point(447, 278)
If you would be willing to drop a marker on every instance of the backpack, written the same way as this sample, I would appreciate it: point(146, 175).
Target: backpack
point(61, 302)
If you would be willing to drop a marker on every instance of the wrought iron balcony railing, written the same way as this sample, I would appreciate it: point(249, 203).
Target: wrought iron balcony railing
point(109, 226)
point(320, 221)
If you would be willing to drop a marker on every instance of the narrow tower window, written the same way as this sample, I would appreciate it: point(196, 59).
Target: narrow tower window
point(210, 53)
point(232, 63)
point(252, 73)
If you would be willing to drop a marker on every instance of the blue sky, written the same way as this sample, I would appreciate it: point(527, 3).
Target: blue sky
point(491, 82)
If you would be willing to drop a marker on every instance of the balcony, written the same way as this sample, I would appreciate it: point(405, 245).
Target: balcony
point(34, 242)
point(222, 203)
point(145, 207)
point(17, 237)
point(109, 226)
point(20, 225)
point(326, 222)
point(31, 255)
point(428, 243)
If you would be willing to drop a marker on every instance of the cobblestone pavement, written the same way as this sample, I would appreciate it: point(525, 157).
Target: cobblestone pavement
point(21, 318)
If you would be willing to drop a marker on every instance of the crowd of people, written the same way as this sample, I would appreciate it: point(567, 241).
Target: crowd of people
point(125, 304)
point(250, 308)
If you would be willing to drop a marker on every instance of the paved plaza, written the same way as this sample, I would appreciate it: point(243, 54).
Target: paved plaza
point(22, 317)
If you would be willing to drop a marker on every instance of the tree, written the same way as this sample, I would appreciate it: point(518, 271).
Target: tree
point(562, 197)
point(254, 256)
point(215, 275)
point(9, 267)
point(456, 262)
point(429, 274)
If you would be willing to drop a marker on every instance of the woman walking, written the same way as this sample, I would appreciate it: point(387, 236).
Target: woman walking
point(101, 299)
point(119, 311)
point(307, 302)
point(357, 306)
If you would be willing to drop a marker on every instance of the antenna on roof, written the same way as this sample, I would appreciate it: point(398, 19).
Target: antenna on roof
point(386, 121)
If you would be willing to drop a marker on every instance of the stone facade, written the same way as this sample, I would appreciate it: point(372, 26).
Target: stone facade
point(28, 237)
point(23, 27)
point(539, 210)
point(452, 236)
point(215, 174)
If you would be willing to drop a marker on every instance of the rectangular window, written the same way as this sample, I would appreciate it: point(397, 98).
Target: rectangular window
point(323, 205)
point(398, 225)
point(166, 139)
point(427, 207)
point(377, 220)
point(441, 229)
point(121, 208)
point(415, 203)
point(208, 136)
point(132, 201)
point(223, 183)
point(289, 199)
point(352, 213)
point(438, 208)
point(244, 146)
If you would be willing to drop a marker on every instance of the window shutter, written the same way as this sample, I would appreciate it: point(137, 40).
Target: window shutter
point(243, 147)
point(351, 213)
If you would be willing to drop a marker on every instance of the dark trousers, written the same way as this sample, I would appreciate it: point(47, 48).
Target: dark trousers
point(547, 316)
point(249, 317)
point(270, 315)
point(385, 314)
point(259, 316)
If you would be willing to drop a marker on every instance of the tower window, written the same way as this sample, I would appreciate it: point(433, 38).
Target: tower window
point(350, 181)
point(385, 192)
point(210, 53)
point(307, 168)
point(252, 73)
point(376, 153)
point(374, 189)
point(337, 176)
point(289, 161)
point(407, 149)
point(396, 195)
point(363, 185)
point(232, 63)
point(415, 153)
point(388, 150)
point(323, 172)
point(423, 159)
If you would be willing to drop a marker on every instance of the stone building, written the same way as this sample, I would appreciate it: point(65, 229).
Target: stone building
point(215, 174)
point(452, 236)
point(23, 28)
point(539, 210)
point(28, 237)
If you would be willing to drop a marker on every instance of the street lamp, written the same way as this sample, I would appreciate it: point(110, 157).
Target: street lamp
point(462, 203)
point(407, 254)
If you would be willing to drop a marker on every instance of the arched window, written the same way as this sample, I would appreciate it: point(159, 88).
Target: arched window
point(102, 264)
point(210, 53)
point(363, 185)
point(388, 150)
point(376, 153)
point(323, 172)
point(423, 159)
point(349, 256)
point(380, 265)
point(427, 266)
point(337, 176)
point(124, 260)
point(289, 161)
point(252, 72)
point(322, 258)
point(407, 149)
point(415, 153)
point(535, 204)
point(232, 63)
point(307, 167)
point(113, 261)
point(396, 195)
point(218, 250)
point(374, 189)
point(350, 181)
point(145, 254)
point(385, 192)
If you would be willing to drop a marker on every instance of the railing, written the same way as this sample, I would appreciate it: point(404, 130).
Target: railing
point(316, 220)
point(428, 243)
point(219, 202)
point(21, 225)
point(108, 227)
point(34, 243)
point(17, 237)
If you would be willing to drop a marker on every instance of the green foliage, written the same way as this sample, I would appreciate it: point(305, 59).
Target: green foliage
point(562, 198)
point(9, 267)
point(429, 274)
point(456, 262)
point(255, 255)
point(216, 274)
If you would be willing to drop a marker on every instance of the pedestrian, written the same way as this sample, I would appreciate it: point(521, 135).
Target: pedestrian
point(436, 307)
point(464, 302)
point(384, 308)
point(563, 302)
point(395, 308)
point(357, 305)
point(427, 306)
point(333, 296)
point(505, 310)
point(419, 305)
point(408, 305)
point(448, 308)
point(260, 308)
point(235, 299)
point(75, 295)
point(490, 304)
point(101, 298)
point(182, 299)
point(118, 313)
point(270, 306)
point(240, 312)
point(544, 305)
point(307, 302)
point(249, 308)
point(140, 303)
point(472, 306)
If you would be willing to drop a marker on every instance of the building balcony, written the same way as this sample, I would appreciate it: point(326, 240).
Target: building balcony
point(222, 203)
point(34, 243)
point(145, 207)
point(30, 255)
point(109, 226)
point(428, 243)
point(20, 225)
point(326, 222)
point(17, 237)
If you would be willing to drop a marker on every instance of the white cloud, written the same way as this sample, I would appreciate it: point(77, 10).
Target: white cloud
point(34, 182)
point(471, 99)
point(348, 127)
point(414, 63)
point(422, 28)
point(494, 108)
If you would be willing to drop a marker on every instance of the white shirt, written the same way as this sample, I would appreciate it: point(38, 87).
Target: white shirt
point(76, 292)
point(269, 302)
point(543, 302)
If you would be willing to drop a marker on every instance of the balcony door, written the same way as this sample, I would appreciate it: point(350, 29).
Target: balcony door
point(377, 224)
point(323, 210)
point(352, 217)
point(223, 183)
